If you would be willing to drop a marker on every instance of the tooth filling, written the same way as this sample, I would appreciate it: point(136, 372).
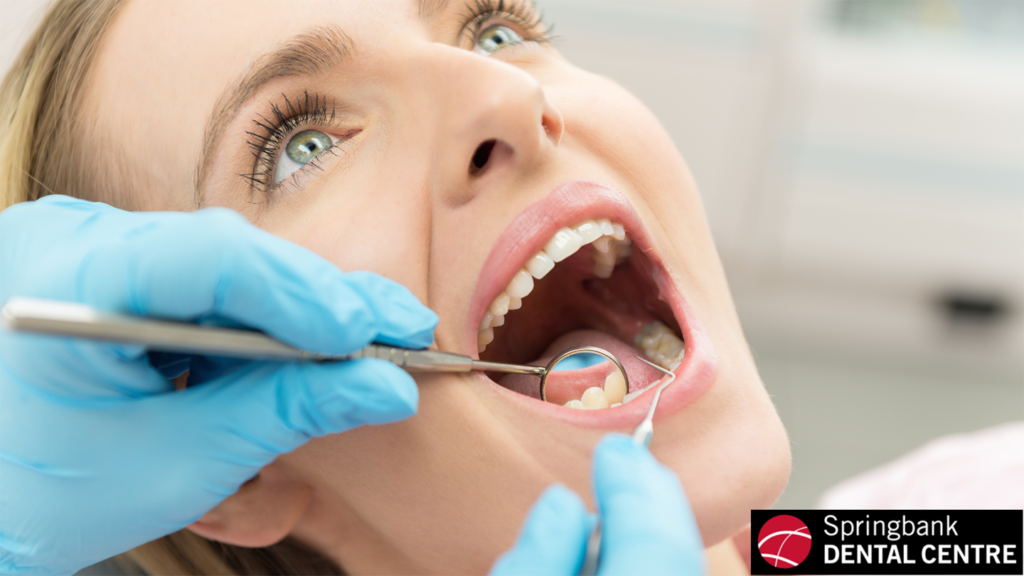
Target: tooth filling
point(660, 345)
point(611, 248)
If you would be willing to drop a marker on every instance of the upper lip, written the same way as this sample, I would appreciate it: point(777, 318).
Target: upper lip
point(527, 234)
point(567, 205)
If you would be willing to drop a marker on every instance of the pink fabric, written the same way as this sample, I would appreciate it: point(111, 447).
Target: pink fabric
point(983, 469)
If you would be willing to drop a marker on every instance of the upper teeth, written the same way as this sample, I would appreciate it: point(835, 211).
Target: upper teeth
point(611, 247)
point(521, 285)
point(540, 265)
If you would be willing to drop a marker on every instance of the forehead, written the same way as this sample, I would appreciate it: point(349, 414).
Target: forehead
point(239, 27)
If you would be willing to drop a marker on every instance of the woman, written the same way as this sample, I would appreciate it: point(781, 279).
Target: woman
point(448, 147)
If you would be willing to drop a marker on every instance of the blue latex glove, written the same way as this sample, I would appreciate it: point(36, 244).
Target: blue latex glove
point(647, 525)
point(98, 454)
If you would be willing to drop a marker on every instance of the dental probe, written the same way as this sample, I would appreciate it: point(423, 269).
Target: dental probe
point(644, 431)
point(642, 436)
point(74, 320)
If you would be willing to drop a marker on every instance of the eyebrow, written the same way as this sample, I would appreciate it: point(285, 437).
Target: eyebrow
point(307, 54)
point(430, 7)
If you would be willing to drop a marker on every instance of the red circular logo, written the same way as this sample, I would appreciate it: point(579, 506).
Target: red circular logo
point(784, 541)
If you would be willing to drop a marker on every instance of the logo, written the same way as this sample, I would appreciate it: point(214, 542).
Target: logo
point(784, 541)
point(893, 542)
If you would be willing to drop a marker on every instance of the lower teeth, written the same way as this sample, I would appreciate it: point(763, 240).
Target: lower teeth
point(596, 398)
point(660, 345)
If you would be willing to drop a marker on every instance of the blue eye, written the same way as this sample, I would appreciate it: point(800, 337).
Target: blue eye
point(301, 149)
point(494, 38)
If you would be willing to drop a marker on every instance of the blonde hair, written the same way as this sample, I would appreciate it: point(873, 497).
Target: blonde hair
point(39, 126)
point(42, 138)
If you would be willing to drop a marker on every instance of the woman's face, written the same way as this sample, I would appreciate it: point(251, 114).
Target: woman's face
point(425, 143)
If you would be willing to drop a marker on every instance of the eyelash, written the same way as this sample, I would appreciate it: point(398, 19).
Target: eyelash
point(316, 111)
point(310, 110)
point(519, 12)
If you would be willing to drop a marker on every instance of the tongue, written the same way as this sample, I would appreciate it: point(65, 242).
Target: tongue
point(571, 386)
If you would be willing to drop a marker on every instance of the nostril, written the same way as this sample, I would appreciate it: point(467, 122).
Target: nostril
point(481, 156)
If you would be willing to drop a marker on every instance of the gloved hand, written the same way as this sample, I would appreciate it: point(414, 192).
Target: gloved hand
point(98, 453)
point(647, 525)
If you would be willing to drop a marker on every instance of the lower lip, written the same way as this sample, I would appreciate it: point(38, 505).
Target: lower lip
point(694, 376)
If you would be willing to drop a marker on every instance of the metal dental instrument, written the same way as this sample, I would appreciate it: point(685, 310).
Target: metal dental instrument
point(579, 350)
point(642, 436)
point(74, 320)
point(644, 431)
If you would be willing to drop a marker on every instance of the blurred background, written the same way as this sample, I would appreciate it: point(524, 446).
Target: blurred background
point(862, 166)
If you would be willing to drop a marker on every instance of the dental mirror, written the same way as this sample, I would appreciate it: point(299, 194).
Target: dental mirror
point(582, 365)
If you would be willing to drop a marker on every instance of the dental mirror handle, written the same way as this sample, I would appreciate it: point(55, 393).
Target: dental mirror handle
point(58, 318)
point(70, 319)
point(437, 361)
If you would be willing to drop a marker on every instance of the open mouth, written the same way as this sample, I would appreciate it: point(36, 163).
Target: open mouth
point(576, 269)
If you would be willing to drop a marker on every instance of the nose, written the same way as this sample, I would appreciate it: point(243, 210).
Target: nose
point(494, 119)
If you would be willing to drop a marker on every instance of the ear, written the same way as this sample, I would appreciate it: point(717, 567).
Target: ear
point(261, 513)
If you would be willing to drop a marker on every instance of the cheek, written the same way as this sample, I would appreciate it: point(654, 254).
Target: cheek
point(363, 224)
point(611, 123)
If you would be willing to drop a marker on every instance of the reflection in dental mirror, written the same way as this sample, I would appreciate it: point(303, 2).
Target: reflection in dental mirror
point(579, 361)
point(593, 373)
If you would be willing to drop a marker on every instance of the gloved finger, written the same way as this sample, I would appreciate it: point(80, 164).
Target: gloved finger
point(213, 262)
point(77, 369)
point(401, 319)
point(647, 520)
point(553, 538)
point(159, 463)
point(378, 292)
point(262, 410)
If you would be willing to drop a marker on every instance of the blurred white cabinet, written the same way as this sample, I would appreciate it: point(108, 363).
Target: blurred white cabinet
point(896, 190)
point(853, 180)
